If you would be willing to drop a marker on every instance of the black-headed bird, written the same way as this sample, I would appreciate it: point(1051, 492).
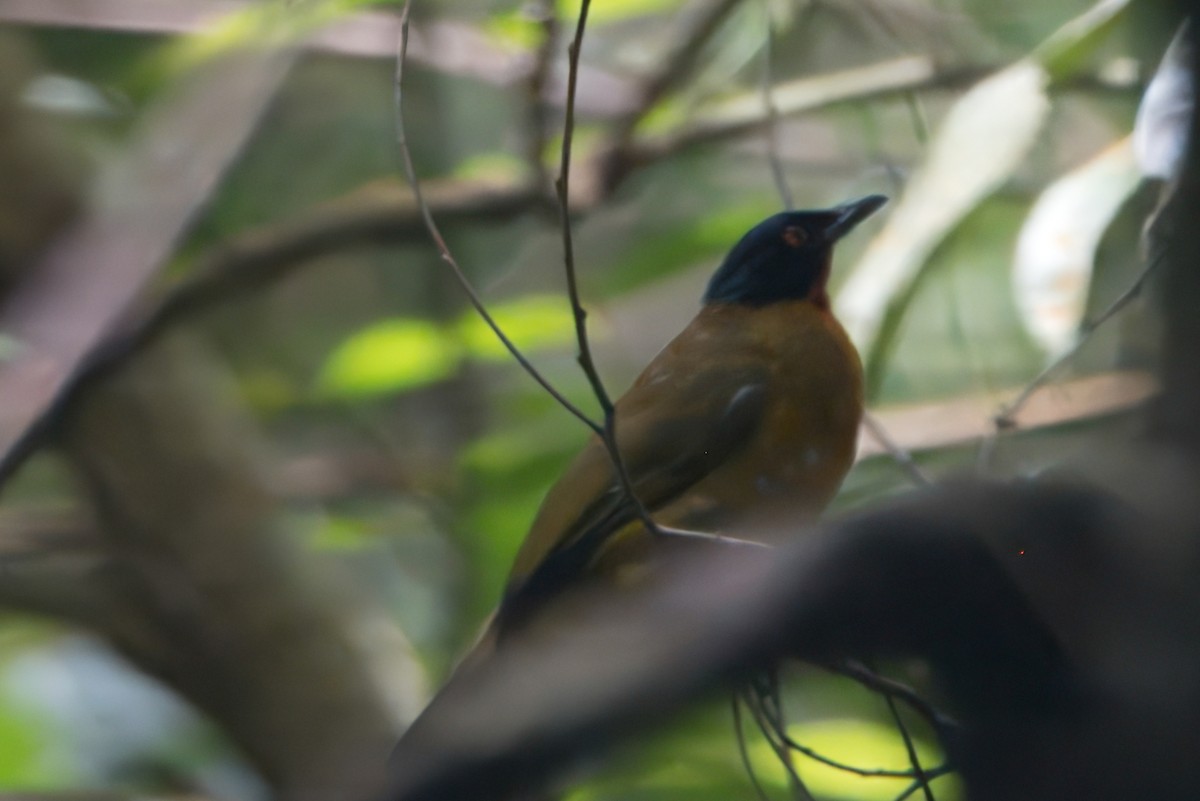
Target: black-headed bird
point(746, 422)
point(747, 419)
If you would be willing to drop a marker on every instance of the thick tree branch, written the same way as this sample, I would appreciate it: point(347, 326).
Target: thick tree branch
point(227, 610)
point(90, 275)
point(939, 577)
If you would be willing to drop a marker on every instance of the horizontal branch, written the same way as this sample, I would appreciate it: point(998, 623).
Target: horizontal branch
point(450, 47)
point(374, 215)
point(938, 577)
point(959, 421)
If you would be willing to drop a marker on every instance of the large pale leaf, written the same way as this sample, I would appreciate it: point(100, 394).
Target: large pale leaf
point(980, 144)
point(1161, 131)
point(1057, 244)
point(982, 141)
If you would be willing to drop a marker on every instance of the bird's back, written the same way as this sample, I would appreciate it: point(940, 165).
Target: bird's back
point(746, 421)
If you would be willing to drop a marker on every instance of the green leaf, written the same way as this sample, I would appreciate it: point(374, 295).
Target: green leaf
point(390, 356)
point(959, 330)
point(499, 167)
point(24, 759)
point(983, 139)
point(532, 322)
point(616, 10)
point(342, 534)
point(1067, 50)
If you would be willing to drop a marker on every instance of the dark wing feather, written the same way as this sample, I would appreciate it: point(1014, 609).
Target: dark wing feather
point(671, 434)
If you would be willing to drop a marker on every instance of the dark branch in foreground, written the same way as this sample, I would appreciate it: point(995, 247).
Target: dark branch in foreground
point(940, 578)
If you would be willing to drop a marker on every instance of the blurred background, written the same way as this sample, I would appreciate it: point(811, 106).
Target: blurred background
point(266, 470)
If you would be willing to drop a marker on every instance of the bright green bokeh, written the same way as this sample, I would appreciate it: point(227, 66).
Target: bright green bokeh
point(388, 357)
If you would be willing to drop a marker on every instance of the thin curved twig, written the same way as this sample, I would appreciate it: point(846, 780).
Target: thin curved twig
point(780, 732)
point(899, 454)
point(444, 250)
point(777, 743)
point(910, 748)
point(739, 730)
point(1005, 418)
point(868, 678)
point(772, 130)
point(608, 433)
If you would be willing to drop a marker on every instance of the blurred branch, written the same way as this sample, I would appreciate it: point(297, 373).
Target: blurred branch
point(377, 214)
point(898, 453)
point(1006, 418)
point(535, 104)
point(453, 48)
point(688, 47)
point(968, 419)
point(373, 215)
point(90, 275)
point(917, 579)
point(212, 598)
point(747, 113)
point(185, 574)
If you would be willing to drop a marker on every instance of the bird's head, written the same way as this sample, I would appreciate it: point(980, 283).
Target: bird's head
point(787, 256)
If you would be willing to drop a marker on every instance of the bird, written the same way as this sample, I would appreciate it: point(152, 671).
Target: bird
point(747, 421)
point(748, 418)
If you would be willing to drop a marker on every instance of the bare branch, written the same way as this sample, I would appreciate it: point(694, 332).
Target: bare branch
point(772, 129)
point(747, 114)
point(770, 730)
point(922, 776)
point(739, 732)
point(684, 53)
point(967, 420)
point(889, 688)
point(563, 185)
point(444, 250)
point(1005, 419)
point(919, 579)
point(899, 454)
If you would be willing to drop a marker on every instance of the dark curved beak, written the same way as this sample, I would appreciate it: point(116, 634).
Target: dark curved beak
point(850, 214)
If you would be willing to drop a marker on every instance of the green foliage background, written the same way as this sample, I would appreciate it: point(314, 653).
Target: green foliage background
point(369, 360)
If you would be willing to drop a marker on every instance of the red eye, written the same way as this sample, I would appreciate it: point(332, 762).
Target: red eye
point(794, 236)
